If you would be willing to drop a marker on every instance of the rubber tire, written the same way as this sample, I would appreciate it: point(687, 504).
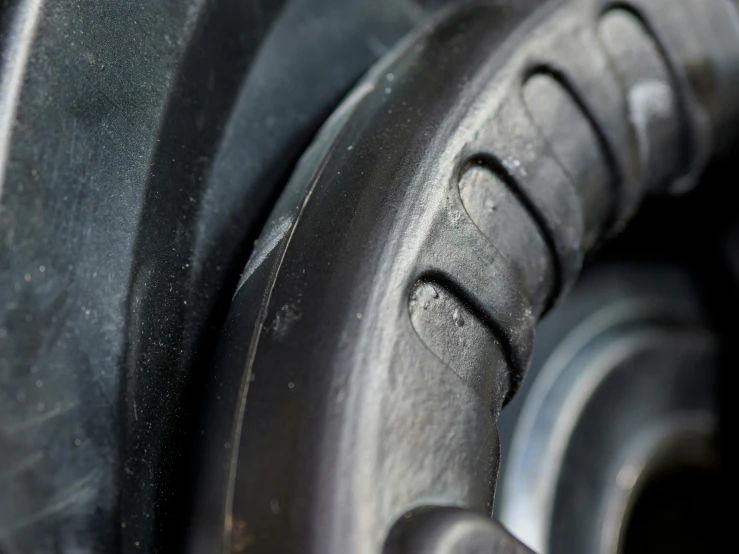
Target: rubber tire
point(382, 320)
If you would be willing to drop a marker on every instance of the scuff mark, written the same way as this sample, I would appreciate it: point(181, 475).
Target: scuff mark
point(30, 422)
point(81, 491)
point(265, 246)
point(22, 465)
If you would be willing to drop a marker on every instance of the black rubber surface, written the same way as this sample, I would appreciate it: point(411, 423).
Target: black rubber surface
point(388, 309)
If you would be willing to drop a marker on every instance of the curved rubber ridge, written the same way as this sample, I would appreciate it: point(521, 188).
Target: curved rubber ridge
point(380, 329)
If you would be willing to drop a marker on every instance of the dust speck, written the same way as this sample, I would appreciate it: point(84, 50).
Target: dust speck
point(284, 319)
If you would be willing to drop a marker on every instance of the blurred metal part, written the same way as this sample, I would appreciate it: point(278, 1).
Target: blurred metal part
point(451, 531)
point(631, 384)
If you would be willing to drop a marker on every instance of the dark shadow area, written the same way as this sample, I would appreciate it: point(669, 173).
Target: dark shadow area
point(699, 231)
point(678, 511)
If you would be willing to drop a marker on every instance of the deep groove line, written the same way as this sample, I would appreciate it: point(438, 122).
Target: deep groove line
point(516, 366)
point(447, 287)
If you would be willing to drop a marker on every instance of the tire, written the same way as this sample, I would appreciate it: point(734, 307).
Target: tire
point(137, 162)
point(387, 312)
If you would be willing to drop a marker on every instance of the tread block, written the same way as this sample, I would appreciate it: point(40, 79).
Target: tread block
point(653, 105)
point(576, 145)
point(496, 211)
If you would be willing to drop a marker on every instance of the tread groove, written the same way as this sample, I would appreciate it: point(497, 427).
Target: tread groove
point(516, 366)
